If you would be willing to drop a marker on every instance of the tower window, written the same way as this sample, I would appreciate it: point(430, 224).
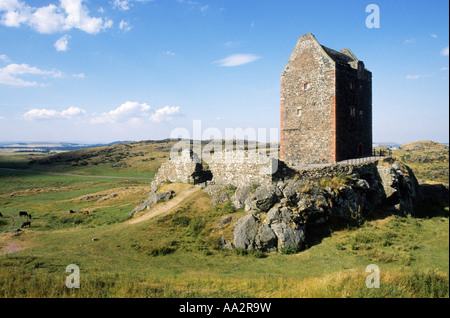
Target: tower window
point(299, 112)
point(306, 86)
point(352, 111)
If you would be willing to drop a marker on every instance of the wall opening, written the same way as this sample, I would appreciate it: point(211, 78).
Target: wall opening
point(360, 149)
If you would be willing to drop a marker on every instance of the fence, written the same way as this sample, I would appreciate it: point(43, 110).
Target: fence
point(357, 161)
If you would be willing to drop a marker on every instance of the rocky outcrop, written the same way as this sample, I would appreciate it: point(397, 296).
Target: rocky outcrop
point(283, 215)
point(153, 198)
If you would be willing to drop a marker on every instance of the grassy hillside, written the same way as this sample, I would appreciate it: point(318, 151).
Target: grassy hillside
point(176, 254)
point(135, 159)
point(428, 159)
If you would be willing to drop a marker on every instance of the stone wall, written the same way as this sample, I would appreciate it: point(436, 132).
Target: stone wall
point(353, 112)
point(181, 168)
point(325, 106)
point(307, 112)
point(225, 167)
point(242, 168)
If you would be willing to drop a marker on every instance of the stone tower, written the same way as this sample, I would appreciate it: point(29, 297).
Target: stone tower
point(326, 105)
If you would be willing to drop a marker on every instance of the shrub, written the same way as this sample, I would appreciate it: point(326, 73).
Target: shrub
point(290, 250)
point(160, 251)
point(196, 226)
point(181, 220)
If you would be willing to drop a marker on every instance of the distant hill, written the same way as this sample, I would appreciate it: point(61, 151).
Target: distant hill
point(428, 159)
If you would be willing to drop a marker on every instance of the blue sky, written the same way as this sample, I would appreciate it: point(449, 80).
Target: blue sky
point(100, 71)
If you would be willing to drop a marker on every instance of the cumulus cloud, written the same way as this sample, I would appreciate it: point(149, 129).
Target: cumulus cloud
point(134, 112)
point(444, 51)
point(9, 75)
point(165, 114)
point(52, 18)
point(128, 111)
point(43, 113)
point(62, 43)
point(237, 59)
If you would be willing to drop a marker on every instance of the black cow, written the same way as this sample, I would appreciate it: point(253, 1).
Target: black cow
point(23, 213)
point(27, 223)
point(1, 215)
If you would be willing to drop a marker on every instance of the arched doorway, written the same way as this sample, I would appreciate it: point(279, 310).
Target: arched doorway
point(360, 149)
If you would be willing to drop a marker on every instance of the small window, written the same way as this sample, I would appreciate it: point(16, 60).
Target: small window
point(352, 111)
point(299, 112)
point(352, 85)
point(306, 86)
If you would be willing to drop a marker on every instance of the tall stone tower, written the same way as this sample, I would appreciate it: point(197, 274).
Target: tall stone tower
point(326, 105)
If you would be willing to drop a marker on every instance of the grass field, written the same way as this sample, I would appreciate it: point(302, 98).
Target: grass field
point(177, 254)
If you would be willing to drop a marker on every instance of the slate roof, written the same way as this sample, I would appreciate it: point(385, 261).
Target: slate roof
point(339, 57)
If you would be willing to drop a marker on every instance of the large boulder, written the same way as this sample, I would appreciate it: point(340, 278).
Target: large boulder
point(264, 198)
point(245, 232)
point(401, 188)
point(289, 237)
point(266, 240)
point(240, 195)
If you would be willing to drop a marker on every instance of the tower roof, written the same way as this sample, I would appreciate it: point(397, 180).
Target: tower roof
point(340, 57)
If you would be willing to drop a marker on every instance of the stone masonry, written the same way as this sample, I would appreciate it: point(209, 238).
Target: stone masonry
point(326, 105)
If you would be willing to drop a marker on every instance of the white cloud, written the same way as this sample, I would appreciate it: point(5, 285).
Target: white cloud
point(415, 76)
point(434, 36)
point(9, 74)
point(121, 4)
point(410, 41)
point(125, 5)
point(165, 114)
point(52, 18)
point(79, 75)
point(231, 44)
point(237, 59)
point(194, 5)
point(445, 68)
point(62, 42)
point(170, 53)
point(128, 111)
point(444, 51)
point(43, 113)
point(4, 58)
point(124, 26)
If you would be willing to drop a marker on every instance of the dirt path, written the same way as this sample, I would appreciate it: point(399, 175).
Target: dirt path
point(165, 207)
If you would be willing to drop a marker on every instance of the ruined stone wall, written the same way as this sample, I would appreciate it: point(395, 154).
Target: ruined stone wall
point(226, 167)
point(307, 112)
point(177, 169)
point(242, 168)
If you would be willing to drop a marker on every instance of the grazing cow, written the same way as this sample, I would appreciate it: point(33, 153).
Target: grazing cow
point(27, 223)
point(1, 215)
point(23, 213)
point(86, 212)
point(29, 216)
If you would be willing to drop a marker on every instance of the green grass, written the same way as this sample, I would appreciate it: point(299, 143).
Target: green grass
point(177, 255)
